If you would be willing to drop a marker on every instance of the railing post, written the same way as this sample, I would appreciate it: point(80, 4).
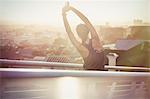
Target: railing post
point(112, 60)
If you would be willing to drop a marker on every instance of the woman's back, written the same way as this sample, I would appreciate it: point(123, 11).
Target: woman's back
point(95, 60)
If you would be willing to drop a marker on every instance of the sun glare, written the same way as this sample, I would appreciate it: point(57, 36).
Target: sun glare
point(68, 88)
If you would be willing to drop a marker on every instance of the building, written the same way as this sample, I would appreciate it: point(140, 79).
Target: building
point(111, 34)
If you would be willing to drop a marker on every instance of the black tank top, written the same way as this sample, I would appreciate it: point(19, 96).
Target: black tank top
point(95, 60)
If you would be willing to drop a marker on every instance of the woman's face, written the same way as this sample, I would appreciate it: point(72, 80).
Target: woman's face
point(82, 31)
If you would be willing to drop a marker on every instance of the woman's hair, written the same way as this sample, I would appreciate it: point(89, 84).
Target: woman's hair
point(82, 31)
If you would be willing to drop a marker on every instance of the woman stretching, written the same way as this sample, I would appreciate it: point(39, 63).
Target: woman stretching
point(90, 48)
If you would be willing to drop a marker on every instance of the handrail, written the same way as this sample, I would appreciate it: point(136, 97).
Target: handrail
point(126, 68)
point(24, 64)
point(24, 72)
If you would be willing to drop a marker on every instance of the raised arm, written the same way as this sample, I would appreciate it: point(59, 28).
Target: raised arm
point(83, 51)
point(95, 39)
point(69, 32)
point(86, 21)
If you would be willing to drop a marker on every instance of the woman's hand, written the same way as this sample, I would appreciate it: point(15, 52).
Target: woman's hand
point(66, 8)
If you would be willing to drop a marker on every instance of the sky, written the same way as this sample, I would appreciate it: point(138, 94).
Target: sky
point(98, 11)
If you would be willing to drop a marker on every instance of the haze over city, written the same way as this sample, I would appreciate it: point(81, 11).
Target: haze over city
point(48, 12)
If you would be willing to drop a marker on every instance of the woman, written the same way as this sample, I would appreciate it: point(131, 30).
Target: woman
point(90, 49)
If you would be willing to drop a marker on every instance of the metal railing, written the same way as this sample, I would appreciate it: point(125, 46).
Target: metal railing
point(53, 65)
point(24, 72)
point(127, 68)
point(37, 64)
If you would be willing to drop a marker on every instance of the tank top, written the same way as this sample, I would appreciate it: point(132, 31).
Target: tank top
point(95, 60)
